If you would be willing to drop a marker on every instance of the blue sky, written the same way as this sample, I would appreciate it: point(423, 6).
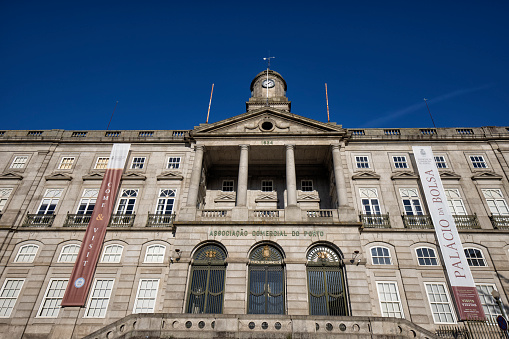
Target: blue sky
point(65, 64)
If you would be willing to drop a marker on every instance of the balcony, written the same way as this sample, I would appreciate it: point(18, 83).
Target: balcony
point(500, 222)
point(38, 220)
point(466, 221)
point(77, 220)
point(122, 220)
point(375, 220)
point(417, 221)
point(160, 220)
point(267, 214)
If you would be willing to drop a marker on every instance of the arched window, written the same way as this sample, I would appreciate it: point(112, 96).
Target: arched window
point(475, 257)
point(326, 282)
point(69, 253)
point(155, 253)
point(206, 288)
point(112, 253)
point(426, 256)
point(26, 253)
point(266, 281)
point(381, 256)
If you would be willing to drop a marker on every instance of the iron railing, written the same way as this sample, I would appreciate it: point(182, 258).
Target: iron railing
point(122, 220)
point(417, 221)
point(375, 220)
point(38, 220)
point(500, 222)
point(473, 329)
point(466, 221)
point(77, 220)
point(160, 220)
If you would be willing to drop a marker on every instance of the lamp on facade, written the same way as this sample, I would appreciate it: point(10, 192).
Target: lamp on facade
point(495, 294)
point(355, 254)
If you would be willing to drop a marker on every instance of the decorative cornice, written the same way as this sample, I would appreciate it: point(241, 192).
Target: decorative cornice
point(170, 176)
point(133, 176)
point(366, 176)
point(404, 175)
point(225, 198)
point(487, 175)
point(266, 198)
point(449, 175)
point(94, 176)
point(59, 176)
point(10, 176)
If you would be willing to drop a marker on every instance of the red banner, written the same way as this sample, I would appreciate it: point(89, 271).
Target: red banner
point(84, 268)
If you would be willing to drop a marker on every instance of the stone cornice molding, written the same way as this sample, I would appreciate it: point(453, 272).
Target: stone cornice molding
point(487, 175)
point(366, 175)
point(11, 176)
point(133, 176)
point(404, 175)
point(58, 176)
point(170, 175)
point(449, 175)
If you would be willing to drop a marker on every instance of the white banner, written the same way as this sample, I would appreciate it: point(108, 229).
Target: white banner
point(455, 262)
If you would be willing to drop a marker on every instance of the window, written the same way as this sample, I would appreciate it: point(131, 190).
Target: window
point(475, 257)
point(66, 163)
point(206, 289)
point(327, 290)
point(127, 201)
point(69, 253)
point(227, 186)
point(9, 295)
point(166, 201)
point(101, 163)
point(4, 196)
point(400, 162)
point(173, 162)
point(19, 162)
point(26, 253)
point(306, 185)
point(87, 202)
point(99, 298)
point(455, 202)
point(369, 200)
point(155, 254)
point(438, 298)
point(478, 161)
point(138, 163)
point(362, 162)
point(267, 186)
point(411, 201)
point(440, 162)
point(381, 256)
point(266, 281)
point(50, 201)
point(388, 295)
point(112, 254)
point(50, 305)
point(496, 201)
point(146, 296)
point(489, 304)
point(426, 256)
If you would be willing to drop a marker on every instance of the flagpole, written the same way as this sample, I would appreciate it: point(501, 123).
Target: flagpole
point(210, 102)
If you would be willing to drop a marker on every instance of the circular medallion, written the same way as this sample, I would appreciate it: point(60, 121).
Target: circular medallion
point(79, 282)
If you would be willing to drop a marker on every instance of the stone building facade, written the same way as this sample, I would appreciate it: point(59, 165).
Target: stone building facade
point(266, 224)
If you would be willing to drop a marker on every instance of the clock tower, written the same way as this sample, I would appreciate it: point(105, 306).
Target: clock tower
point(268, 89)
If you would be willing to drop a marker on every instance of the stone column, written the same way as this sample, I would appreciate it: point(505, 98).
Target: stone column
point(339, 176)
point(242, 178)
point(194, 185)
point(291, 180)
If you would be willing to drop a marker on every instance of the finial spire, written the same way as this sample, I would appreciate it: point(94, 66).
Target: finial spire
point(268, 60)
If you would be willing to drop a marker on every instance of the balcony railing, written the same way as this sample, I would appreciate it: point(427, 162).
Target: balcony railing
point(375, 220)
point(417, 221)
point(500, 222)
point(38, 220)
point(122, 220)
point(466, 221)
point(320, 213)
point(214, 213)
point(77, 220)
point(266, 214)
point(160, 220)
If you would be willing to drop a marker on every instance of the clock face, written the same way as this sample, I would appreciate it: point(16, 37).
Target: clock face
point(268, 83)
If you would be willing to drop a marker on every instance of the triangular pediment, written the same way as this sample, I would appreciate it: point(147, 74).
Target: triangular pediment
point(225, 198)
point(266, 198)
point(170, 176)
point(59, 176)
point(94, 176)
point(308, 197)
point(133, 176)
point(404, 175)
point(10, 176)
point(486, 176)
point(449, 175)
point(365, 175)
point(267, 121)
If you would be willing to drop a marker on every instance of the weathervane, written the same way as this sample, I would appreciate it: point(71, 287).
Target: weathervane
point(268, 66)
